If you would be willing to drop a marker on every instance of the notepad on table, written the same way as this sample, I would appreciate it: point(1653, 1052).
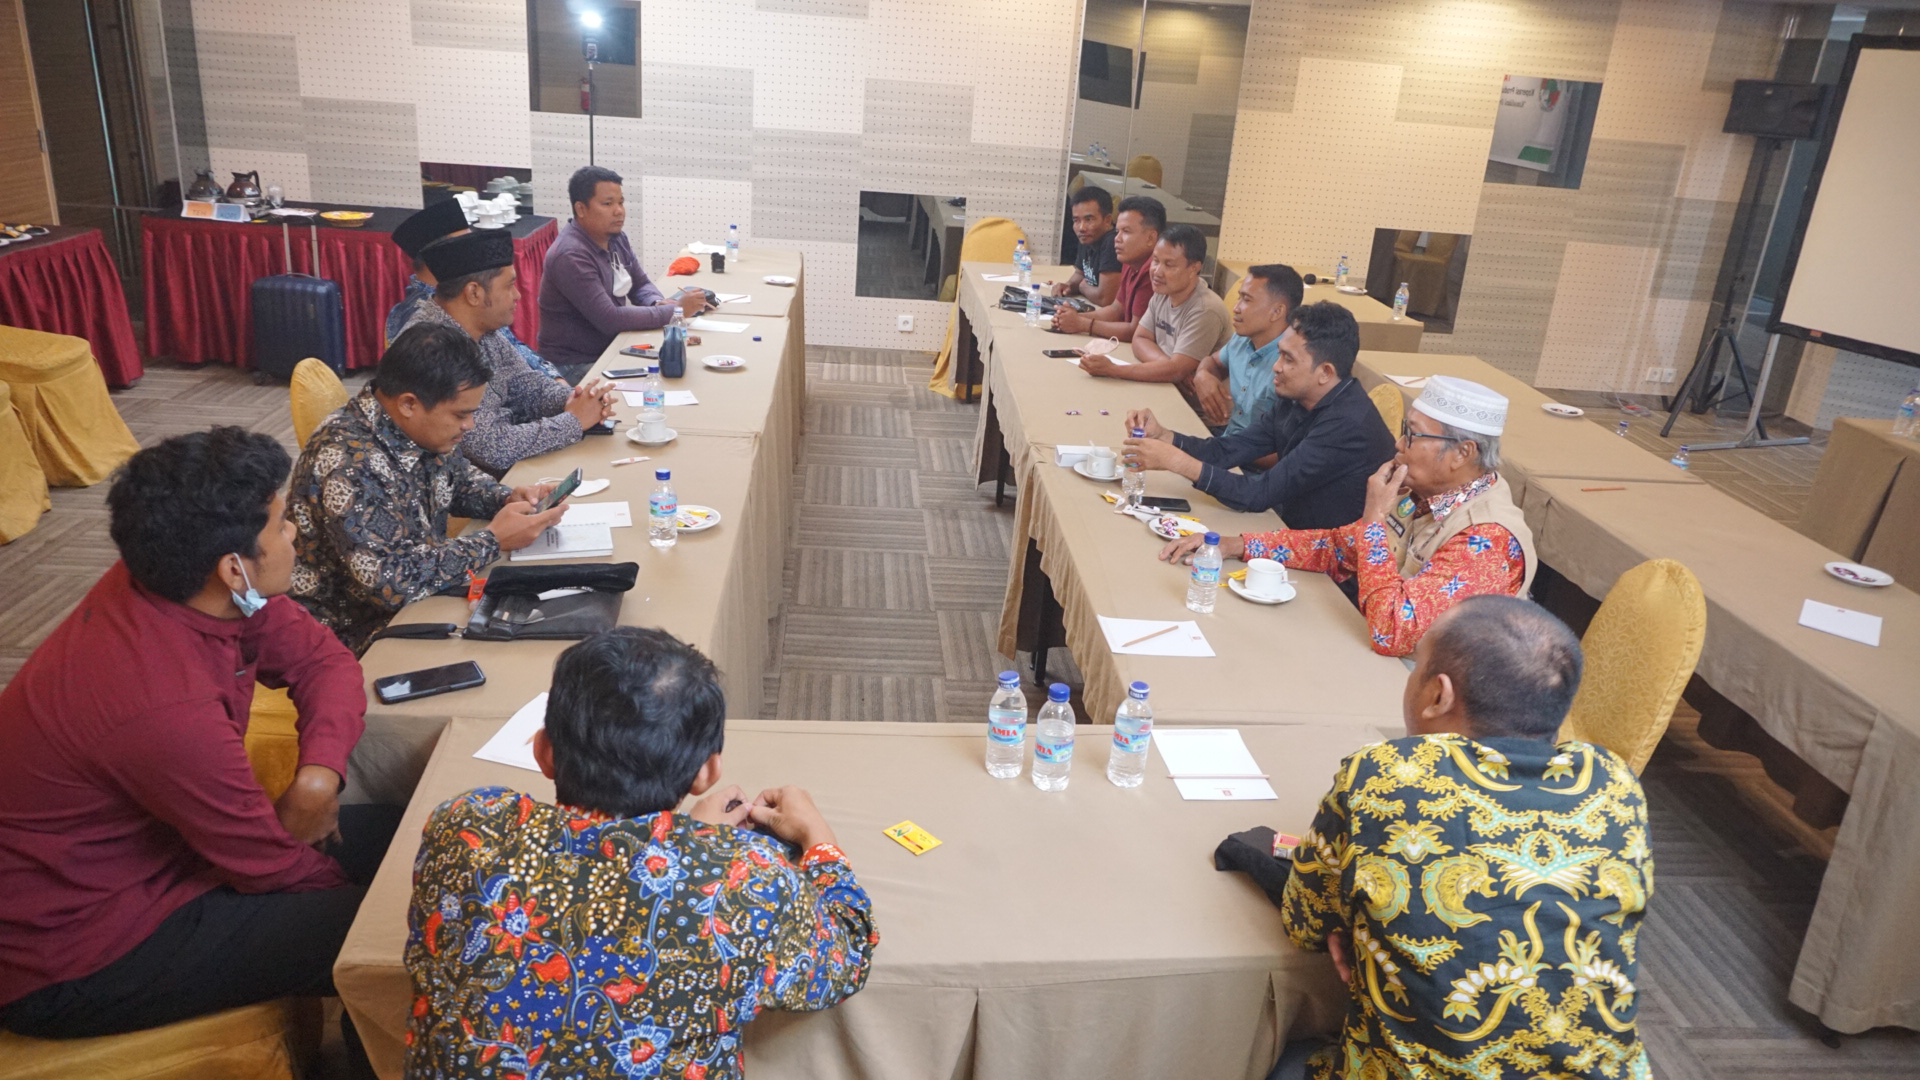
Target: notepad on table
point(513, 743)
point(1140, 637)
point(1841, 622)
point(568, 541)
point(614, 515)
point(718, 326)
point(1211, 764)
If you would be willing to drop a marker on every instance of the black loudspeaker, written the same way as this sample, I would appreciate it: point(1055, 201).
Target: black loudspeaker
point(1776, 110)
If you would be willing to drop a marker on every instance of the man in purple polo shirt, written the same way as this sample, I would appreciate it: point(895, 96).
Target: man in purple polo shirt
point(593, 286)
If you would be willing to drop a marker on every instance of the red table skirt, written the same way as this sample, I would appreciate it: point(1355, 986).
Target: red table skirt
point(66, 283)
point(200, 277)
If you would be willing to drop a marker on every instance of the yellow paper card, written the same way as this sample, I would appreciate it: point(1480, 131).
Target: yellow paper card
point(912, 837)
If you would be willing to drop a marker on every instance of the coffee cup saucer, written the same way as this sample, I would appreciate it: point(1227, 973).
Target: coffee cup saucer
point(1286, 593)
point(1081, 468)
point(633, 435)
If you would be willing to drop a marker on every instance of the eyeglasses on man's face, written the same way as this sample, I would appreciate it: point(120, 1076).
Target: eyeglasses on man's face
point(1407, 435)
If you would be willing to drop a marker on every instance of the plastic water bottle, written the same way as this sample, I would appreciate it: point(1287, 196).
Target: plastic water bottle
point(653, 395)
point(1133, 478)
point(1203, 588)
point(1132, 732)
point(1023, 261)
point(1007, 728)
point(1340, 273)
point(662, 507)
point(1680, 458)
point(733, 244)
point(1906, 419)
point(1053, 743)
point(673, 347)
point(1033, 304)
point(1400, 302)
point(1621, 430)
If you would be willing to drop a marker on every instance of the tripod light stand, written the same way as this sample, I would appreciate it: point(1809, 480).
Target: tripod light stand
point(590, 22)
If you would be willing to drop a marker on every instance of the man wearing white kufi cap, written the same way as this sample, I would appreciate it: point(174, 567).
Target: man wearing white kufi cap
point(1440, 523)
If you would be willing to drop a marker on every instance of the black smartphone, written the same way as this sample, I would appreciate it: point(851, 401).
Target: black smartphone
point(1061, 353)
point(1168, 506)
point(625, 373)
point(560, 491)
point(428, 682)
point(604, 427)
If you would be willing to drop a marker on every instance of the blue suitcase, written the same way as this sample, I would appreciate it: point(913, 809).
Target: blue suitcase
point(296, 316)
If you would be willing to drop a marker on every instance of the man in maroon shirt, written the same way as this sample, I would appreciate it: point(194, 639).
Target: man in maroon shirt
point(145, 876)
point(1139, 222)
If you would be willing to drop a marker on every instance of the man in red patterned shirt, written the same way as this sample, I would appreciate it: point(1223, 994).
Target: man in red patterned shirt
point(1439, 524)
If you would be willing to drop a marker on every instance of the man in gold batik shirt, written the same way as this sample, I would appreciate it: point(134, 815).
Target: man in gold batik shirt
point(1479, 886)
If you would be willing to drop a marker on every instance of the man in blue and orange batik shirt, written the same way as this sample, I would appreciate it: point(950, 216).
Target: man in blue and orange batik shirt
point(609, 935)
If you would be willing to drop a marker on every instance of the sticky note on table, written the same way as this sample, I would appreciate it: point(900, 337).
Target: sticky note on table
point(912, 837)
point(1841, 622)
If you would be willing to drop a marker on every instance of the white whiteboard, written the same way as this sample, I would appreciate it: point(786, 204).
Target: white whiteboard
point(1857, 273)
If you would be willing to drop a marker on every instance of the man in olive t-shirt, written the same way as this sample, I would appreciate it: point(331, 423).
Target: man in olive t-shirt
point(1184, 322)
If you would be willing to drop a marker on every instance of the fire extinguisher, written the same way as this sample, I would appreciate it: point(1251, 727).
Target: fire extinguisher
point(586, 95)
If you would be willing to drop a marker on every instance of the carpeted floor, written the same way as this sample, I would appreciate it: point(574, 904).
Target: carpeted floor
point(893, 584)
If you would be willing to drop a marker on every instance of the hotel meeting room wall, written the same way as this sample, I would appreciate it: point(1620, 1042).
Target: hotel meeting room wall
point(772, 114)
point(1379, 115)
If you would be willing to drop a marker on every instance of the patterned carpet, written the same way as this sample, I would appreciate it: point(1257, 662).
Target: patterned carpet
point(893, 587)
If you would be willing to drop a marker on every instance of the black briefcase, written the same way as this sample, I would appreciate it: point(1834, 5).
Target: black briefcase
point(563, 600)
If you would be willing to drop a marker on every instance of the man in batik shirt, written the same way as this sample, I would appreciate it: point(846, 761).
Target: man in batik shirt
point(1480, 887)
point(373, 488)
point(444, 218)
point(1439, 523)
point(611, 935)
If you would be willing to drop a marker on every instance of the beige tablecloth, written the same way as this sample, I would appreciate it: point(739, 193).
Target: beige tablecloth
point(1078, 933)
point(1865, 502)
point(1849, 710)
point(716, 589)
point(745, 275)
point(1303, 662)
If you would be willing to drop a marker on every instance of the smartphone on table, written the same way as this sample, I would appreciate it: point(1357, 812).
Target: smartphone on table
point(560, 491)
point(1168, 506)
point(1060, 353)
point(429, 681)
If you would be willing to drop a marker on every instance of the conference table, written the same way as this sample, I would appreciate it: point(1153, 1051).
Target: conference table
point(1379, 330)
point(1074, 933)
point(200, 274)
point(65, 283)
point(1865, 502)
point(1179, 210)
point(717, 588)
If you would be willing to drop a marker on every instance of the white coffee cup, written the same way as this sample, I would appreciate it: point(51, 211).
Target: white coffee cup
point(654, 430)
point(1266, 578)
point(1102, 463)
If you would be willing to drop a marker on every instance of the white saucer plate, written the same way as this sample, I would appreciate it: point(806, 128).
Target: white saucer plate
point(1240, 590)
point(1864, 576)
point(591, 487)
point(779, 279)
point(1351, 290)
point(1081, 468)
point(1174, 526)
point(703, 518)
point(633, 436)
point(1558, 409)
point(724, 363)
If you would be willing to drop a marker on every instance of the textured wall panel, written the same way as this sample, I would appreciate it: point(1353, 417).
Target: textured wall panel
point(809, 73)
point(354, 48)
point(1562, 39)
point(1209, 143)
point(1746, 44)
point(1626, 196)
point(1691, 248)
point(678, 211)
point(471, 107)
point(1024, 183)
point(915, 137)
point(559, 146)
point(251, 90)
point(806, 186)
point(1513, 272)
point(1599, 315)
point(1862, 386)
point(362, 152)
point(697, 121)
point(1452, 74)
point(498, 25)
point(840, 9)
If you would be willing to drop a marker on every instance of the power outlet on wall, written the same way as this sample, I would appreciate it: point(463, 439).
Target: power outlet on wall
point(1658, 375)
point(904, 324)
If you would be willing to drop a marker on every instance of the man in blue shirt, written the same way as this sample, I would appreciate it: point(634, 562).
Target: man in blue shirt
point(1323, 429)
point(442, 219)
point(1235, 385)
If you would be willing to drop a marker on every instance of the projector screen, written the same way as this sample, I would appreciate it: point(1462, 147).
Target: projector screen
point(1853, 276)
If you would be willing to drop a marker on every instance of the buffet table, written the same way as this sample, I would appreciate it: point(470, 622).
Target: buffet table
point(65, 283)
point(200, 276)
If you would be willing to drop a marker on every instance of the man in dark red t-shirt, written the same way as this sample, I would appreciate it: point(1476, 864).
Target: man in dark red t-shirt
point(1137, 229)
point(147, 876)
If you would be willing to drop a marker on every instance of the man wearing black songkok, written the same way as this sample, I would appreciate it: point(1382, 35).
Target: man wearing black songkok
point(444, 218)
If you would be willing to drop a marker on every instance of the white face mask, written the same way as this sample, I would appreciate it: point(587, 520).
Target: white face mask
point(251, 601)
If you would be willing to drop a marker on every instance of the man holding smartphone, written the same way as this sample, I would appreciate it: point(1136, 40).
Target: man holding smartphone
point(378, 479)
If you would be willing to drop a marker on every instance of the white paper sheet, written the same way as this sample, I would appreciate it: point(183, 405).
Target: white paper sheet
point(1411, 382)
point(614, 515)
point(513, 743)
point(1218, 790)
point(1015, 278)
point(733, 297)
point(568, 541)
point(1841, 622)
point(717, 326)
point(1205, 752)
point(1116, 361)
point(1184, 640)
point(706, 249)
point(681, 397)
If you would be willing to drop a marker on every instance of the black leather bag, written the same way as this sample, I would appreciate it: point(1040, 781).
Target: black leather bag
point(519, 602)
